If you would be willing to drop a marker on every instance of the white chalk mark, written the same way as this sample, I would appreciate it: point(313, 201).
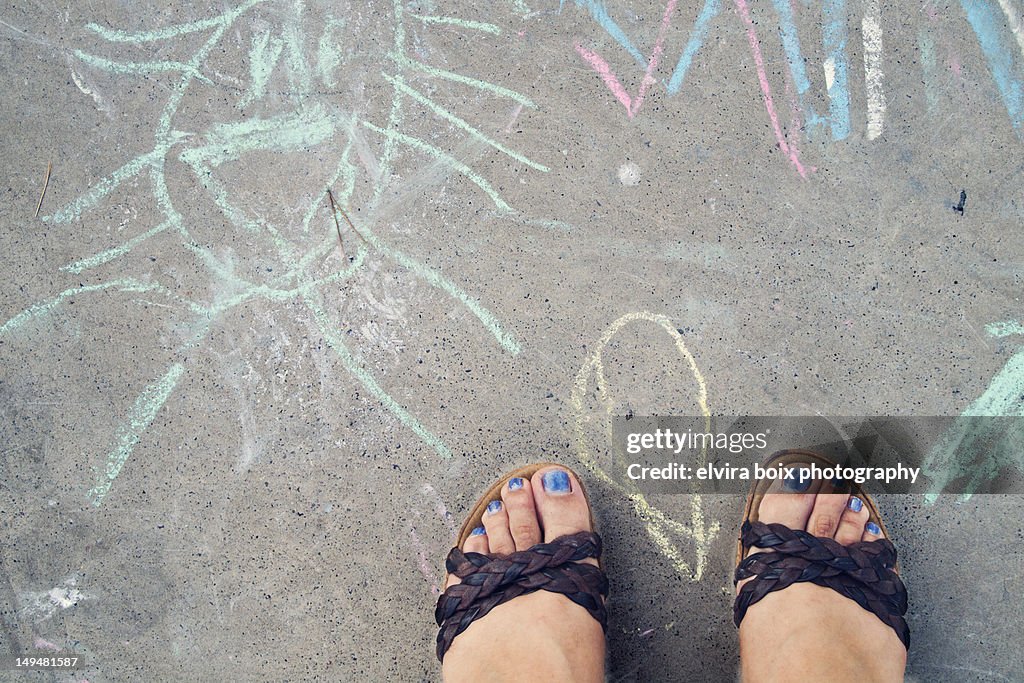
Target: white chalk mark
point(439, 506)
point(41, 605)
point(425, 566)
point(363, 151)
point(80, 83)
point(874, 77)
point(629, 174)
point(28, 36)
point(43, 644)
point(1013, 21)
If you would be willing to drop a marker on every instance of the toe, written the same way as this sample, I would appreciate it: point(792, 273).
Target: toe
point(825, 516)
point(499, 537)
point(872, 532)
point(517, 499)
point(851, 524)
point(476, 542)
point(560, 502)
point(788, 501)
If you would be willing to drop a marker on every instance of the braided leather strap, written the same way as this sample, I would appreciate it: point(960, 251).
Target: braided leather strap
point(863, 571)
point(489, 581)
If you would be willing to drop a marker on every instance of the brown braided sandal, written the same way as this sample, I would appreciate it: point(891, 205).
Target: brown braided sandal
point(865, 572)
point(488, 581)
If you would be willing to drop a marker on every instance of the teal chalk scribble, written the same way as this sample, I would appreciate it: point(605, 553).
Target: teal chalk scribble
point(974, 452)
point(328, 53)
point(46, 307)
point(400, 83)
point(1004, 329)
point(461, 23)
point(140, 67)
point(147, 405)
point(263, 56)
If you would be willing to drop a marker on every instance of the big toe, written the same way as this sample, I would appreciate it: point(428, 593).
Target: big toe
point(789, 501)
point(561, 504)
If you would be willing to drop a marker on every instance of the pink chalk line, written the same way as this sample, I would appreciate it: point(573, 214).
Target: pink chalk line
point(598, 64)
point(795, 111)
point(952, 59)
point(425, 567)
point(755, 48)
point(42, 644)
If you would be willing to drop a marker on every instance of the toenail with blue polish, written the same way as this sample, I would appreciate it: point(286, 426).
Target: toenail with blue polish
point(493, 506)
point(855, 504)
point(799, 480)
point(872, 528)
point(479, 531)
point(556, 481)
point(515, 483)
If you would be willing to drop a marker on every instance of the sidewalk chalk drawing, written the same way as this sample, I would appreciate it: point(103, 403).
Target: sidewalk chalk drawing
point(296, 251)
point(424, 554)
point(996, 25)
point(959, 454)
point(592, 431)
point(42, 605)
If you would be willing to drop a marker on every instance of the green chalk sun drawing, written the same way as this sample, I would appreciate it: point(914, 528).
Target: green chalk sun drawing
point(308, 123)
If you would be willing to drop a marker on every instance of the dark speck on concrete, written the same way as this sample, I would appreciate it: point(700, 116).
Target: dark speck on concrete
point(959, 208)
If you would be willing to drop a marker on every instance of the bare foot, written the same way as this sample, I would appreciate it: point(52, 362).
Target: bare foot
point(807, 632)
point(540, 636)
